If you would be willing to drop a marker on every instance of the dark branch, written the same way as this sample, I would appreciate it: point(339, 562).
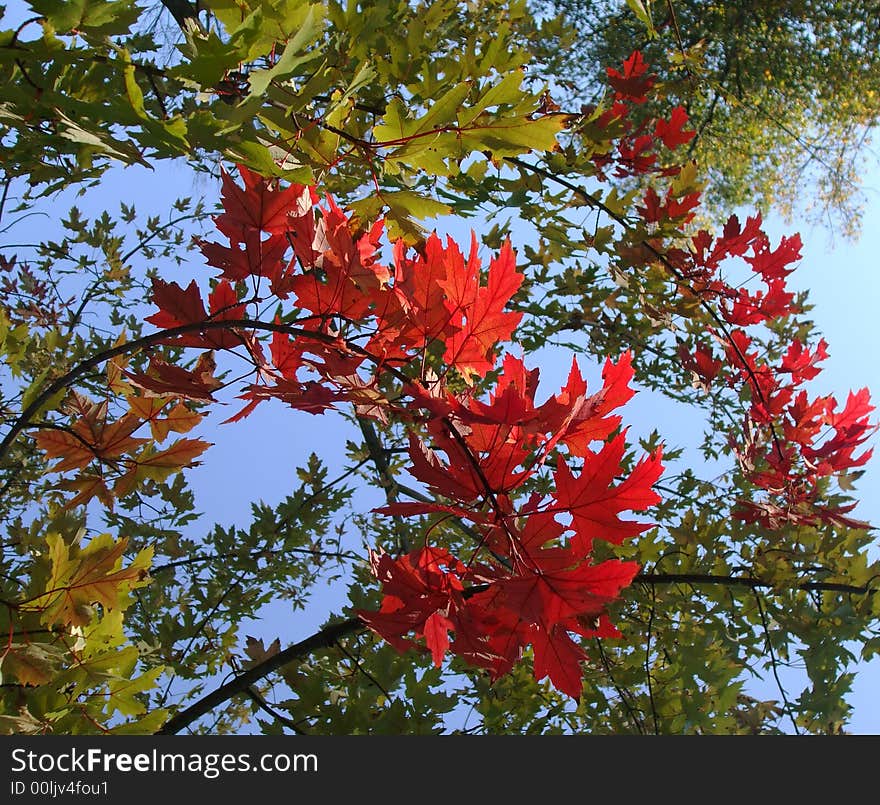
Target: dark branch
point(325, 638)
point(186, 15)
point(750, 582)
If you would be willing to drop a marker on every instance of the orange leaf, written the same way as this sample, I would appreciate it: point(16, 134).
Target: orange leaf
point(179, 455)
point(72, 451)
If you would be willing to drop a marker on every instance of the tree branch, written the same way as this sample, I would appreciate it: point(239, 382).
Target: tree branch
point(329, 635)
point(240, 684)
point(750, 582)
point(69, 377)
point(186, 15)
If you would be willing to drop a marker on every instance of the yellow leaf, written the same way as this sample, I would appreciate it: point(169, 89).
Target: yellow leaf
point(178, 456)
point(80, 578)
point(30, 663)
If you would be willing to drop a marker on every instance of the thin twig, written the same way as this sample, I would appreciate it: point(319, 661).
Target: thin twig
point(636, 720)
point(773, 662)
point(255, 697)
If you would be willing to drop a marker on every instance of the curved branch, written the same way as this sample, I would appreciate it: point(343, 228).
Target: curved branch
point(329, 635)
point(240, 684)
point(59, 384)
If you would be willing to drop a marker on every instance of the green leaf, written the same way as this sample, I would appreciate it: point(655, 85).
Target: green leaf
point(643, 12)
point(206, 65)
point(148, 724)
point(505, 92)
point(294, 53)
point(105, 17)
point(513, 136)
point(415, 205)
point(135, 96)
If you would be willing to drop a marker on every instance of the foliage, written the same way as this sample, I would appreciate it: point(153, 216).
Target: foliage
point(518, 590)
point(784, 95)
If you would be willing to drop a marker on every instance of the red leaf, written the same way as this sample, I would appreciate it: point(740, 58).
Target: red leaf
point(801, 363)
point(590, 416)
point(165, 379)
point(258, 206)
point(419, 588)
point(176, 305)
point(701, 363)
point(416, 313)
point(547, 598)
point(478, 311)
point(672, 132)
point(286, 355)
point(632, 83)
point(593, 500)
point(258, 258)
point(558, 657)
point(223, 302)
point(775, 263)
point(436, 631)
point(74, 454)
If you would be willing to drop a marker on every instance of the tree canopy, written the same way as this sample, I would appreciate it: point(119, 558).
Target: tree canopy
point(514, 560)
point(783, 95)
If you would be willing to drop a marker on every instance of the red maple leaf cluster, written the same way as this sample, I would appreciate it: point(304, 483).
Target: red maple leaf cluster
point(790, 441)
point(531, 579)
point(355, 326)
point(636, 137)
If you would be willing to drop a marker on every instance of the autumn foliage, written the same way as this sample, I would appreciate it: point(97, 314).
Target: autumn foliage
point(406, 342)
point(324, 311)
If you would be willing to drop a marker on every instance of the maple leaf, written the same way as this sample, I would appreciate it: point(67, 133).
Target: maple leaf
point(83, 576)
point(701, 362)
point(457, 479)
point(801, 363)
point(558, 657)
point(176, 305)
point(852, 428)
point(632, 84)
point(87, 486)
point(776, 263)
point(178, 455)
point(310, 396)
point(253, 256)
point(258, 652)
point(91, 436)
point(478, 311)
point(286, 354)
point(73, 451)
point(418, 589)
point(590, 418)
point(259, 206)
point(546, 595)
point(415, 313)
point(593, 500)
point(166, 379)
point(672, 132)
point(32, 663)
point(177, 418)
point(330, 291)
point(436, 632)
